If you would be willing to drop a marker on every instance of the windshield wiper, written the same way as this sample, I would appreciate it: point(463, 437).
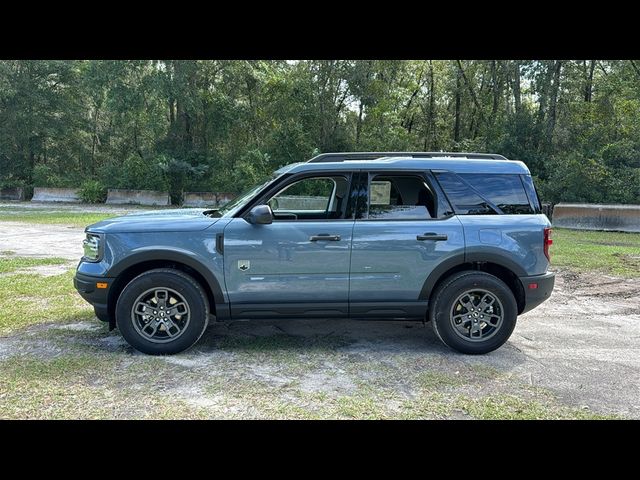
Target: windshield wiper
point(214, 212)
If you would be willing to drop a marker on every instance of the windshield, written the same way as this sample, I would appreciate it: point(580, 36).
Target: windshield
point(231, 208)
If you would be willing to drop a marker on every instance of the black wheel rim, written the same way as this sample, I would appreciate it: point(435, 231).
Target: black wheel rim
point(160, 315)
point(476, 315)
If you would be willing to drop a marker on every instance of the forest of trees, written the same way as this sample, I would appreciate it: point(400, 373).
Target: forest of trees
point(187, 125)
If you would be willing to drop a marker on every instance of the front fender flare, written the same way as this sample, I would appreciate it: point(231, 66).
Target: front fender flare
point(173, 255)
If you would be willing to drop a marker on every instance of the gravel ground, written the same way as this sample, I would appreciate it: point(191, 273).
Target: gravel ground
point(583, 344)
point(41, 241)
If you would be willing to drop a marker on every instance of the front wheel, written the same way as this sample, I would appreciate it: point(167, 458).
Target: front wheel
point(162, 311)
point(473, 312)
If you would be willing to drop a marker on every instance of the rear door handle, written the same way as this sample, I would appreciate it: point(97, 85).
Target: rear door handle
point(324, 236)
point(432, 236)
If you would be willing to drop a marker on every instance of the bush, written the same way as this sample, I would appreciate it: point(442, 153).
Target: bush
point(92, 191)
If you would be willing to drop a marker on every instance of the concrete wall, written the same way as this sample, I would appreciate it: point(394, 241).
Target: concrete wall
point(12, 193)
point(206, 199)
point(137, 197)
point(200, 199)
point(67, 195)
point(584, 216)
point(223, 198)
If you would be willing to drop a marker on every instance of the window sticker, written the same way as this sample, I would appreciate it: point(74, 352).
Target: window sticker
point(380, 193)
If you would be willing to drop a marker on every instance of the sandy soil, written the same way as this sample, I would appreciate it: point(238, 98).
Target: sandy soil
point(583, 344)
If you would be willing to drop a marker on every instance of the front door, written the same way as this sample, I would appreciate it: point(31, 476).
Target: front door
point(402, 233)
point(298, 265)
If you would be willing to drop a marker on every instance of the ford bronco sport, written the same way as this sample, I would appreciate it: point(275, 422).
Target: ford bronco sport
point(457, 239)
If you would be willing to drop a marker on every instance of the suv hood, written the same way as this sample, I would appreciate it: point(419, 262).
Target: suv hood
point(170, 220)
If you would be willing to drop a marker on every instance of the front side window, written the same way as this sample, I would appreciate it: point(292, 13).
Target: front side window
point(313, 198)
point(400, 197)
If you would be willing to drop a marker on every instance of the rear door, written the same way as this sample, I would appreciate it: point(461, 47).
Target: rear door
point(404, 229)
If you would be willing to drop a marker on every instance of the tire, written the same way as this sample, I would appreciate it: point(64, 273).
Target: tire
point(171, 293)
point(464, 330)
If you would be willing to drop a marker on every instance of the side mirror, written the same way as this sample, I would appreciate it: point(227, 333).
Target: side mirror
point(260, 215)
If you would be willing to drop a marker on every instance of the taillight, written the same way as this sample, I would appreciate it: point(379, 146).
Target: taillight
point(547, 241)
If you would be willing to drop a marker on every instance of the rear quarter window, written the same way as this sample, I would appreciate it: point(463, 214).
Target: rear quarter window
point(478, 194)
point(505, 191)
point(463, 199)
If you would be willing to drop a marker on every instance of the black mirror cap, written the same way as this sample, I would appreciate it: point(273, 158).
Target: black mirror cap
point(260, 215)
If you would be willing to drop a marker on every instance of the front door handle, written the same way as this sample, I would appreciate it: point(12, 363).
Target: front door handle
point(325, 236)
point(431, 236)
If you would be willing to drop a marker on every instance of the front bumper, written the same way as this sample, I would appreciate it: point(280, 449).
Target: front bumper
point(87, 287)
point(535, 296)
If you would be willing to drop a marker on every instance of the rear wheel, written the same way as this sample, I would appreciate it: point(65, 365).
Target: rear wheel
point(162, 311)
point(473, 312)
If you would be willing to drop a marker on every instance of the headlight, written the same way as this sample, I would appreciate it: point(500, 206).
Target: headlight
point(92, 247)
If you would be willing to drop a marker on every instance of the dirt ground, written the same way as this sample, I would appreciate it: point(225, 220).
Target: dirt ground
point(583, 345)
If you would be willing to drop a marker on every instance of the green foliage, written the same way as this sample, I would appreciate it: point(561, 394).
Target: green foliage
point(92, 191)
point(177, 173)
point(49, 176)
point(220, 125)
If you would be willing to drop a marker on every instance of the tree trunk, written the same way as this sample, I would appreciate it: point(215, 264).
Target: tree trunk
point(359, 124)
point(517, 99)
point(495, 90)
point(471, 91)
point(588, 88)
point(94, 141)
point(543, 91)
point(456, 128)
point(432, 108)
point(172, 113)
point(553, 101)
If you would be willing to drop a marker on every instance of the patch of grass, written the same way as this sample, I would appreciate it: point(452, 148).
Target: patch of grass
point(511, 407)
point(612, 253)
point(31, 299)
point(362, 407)
point(15, 263)
point(426, 406)
point(87, 387)
point(76, 219)
point(77, 378)
point(438, 380)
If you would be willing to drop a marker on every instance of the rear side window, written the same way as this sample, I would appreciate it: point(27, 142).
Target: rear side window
point(505, 191)
point(463, 199)
point(400, 197)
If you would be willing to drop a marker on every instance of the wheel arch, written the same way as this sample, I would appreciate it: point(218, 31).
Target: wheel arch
point(501, 267)
point(133, 265)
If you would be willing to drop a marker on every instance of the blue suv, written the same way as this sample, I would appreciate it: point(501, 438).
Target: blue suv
point(456, 239)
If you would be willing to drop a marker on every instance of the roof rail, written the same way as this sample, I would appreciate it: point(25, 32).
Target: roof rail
point(341, 157)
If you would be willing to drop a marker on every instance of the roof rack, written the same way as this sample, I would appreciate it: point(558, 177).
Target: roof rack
point(341, 157)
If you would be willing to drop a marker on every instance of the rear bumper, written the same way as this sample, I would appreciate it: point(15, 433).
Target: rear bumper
point(86, 285)
point(535, 296)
